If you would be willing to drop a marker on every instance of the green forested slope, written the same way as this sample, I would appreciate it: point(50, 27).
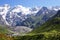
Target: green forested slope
point(49, 26)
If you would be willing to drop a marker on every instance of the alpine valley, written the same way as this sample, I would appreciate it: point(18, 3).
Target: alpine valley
point(20, 20)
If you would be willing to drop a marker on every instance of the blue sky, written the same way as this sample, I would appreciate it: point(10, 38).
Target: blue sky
point(31, 3)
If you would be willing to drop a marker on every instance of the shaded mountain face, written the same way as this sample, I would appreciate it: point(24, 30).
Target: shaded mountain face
point(58, 13)
point(41, 17)
point(23, 16)
point(50, 25)
point(1, 20)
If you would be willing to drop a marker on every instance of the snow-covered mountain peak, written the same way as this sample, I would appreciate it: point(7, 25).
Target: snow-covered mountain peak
point(35, 10)
point(22, 9)
point(56, 8)
point(19, 13)
point(4, 9)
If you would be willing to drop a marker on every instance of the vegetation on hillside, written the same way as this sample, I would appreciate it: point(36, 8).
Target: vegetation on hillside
point(5, 37)
point(54, 35)
point(3, 30)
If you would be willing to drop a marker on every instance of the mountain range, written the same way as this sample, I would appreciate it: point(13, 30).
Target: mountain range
point(18, 15)
point(22, 18)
